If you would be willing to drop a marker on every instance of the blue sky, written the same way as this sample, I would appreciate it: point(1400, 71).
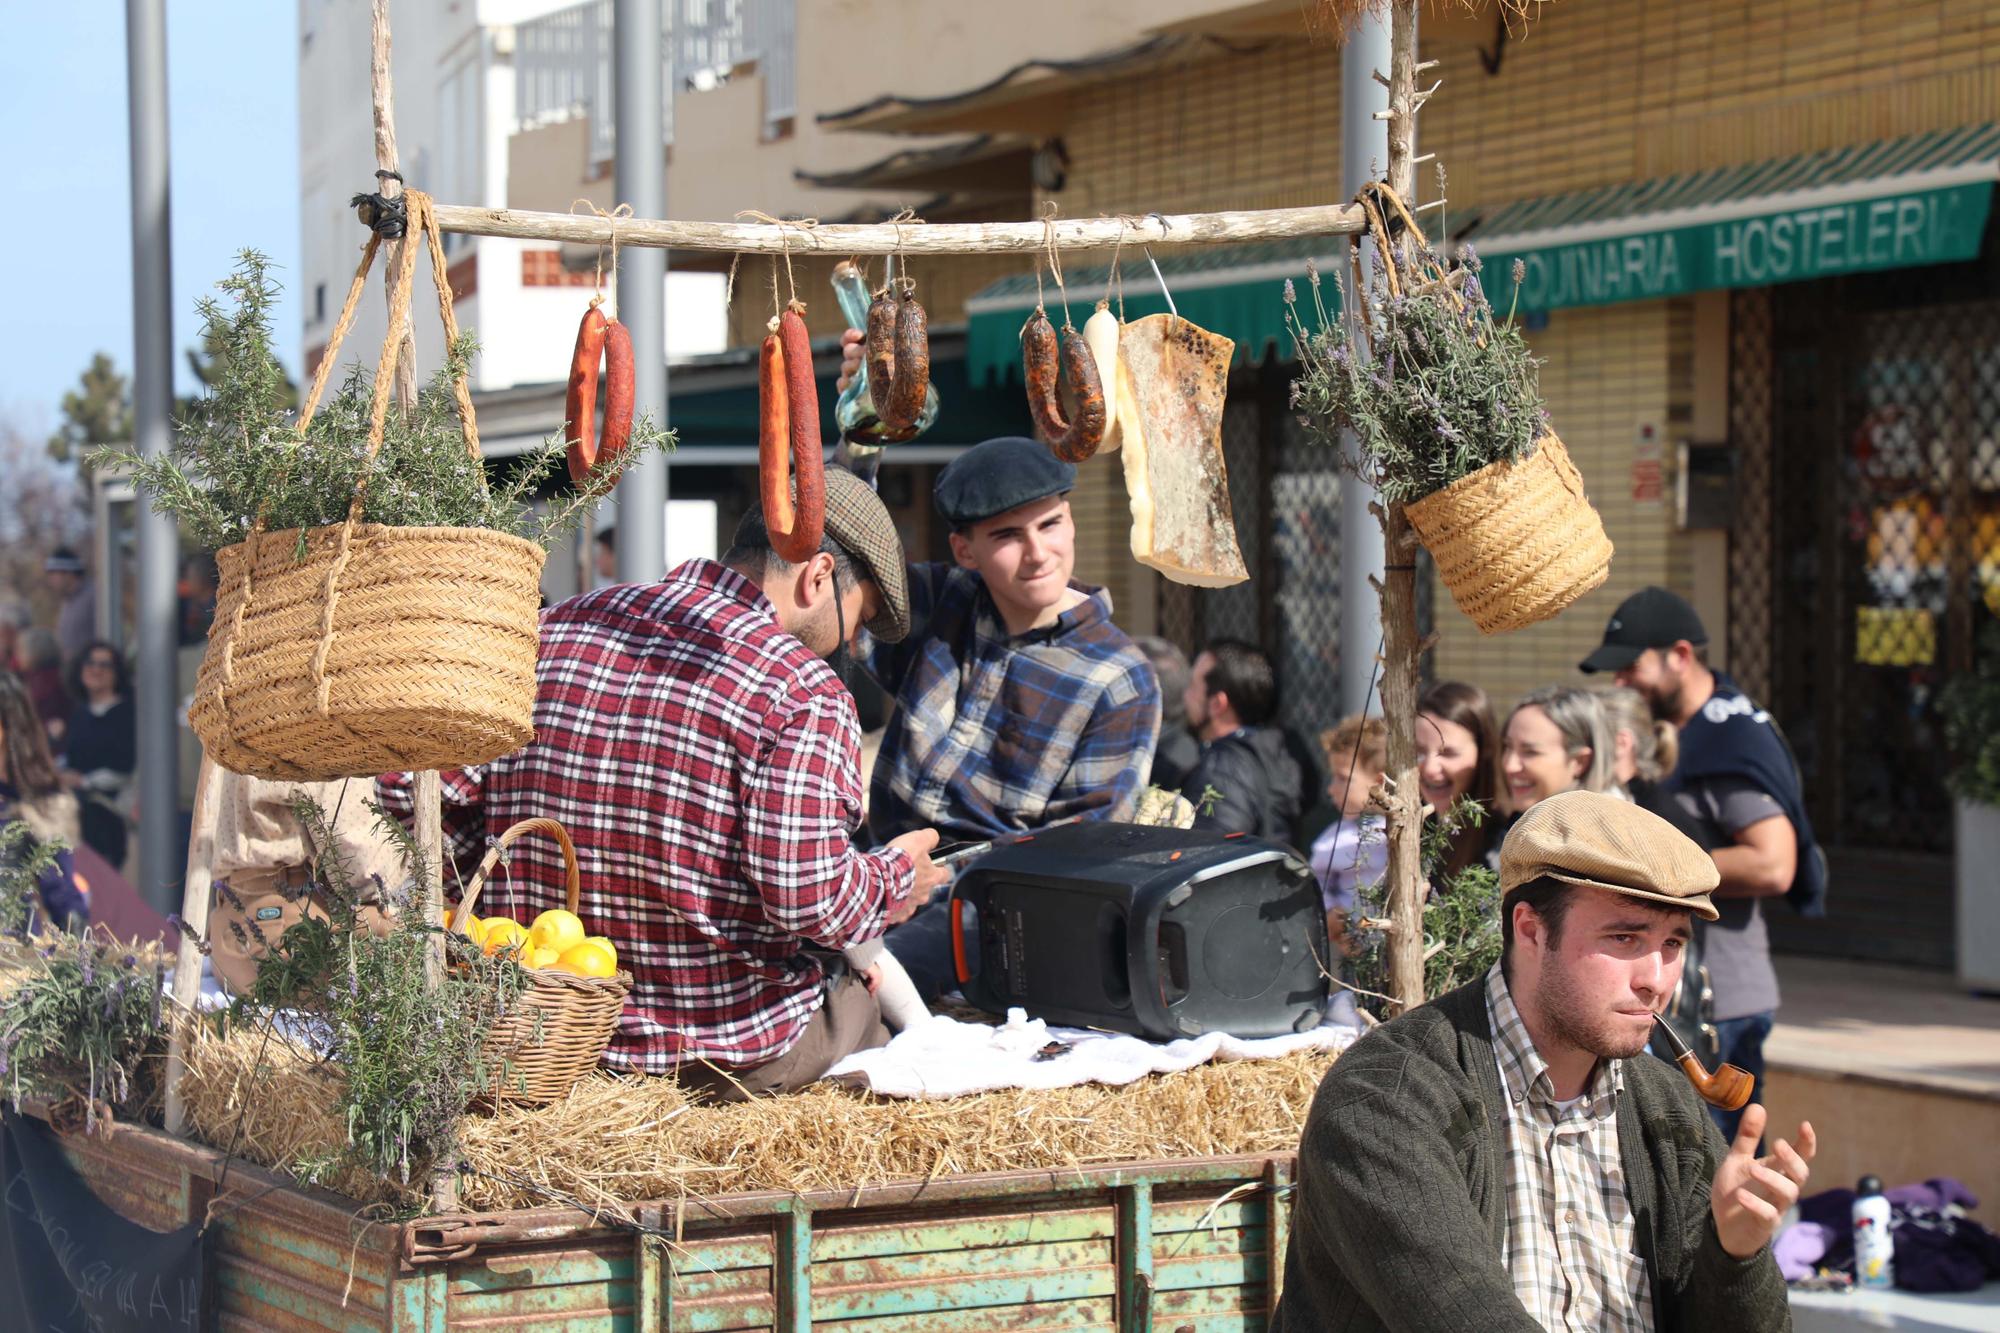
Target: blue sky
point(232, 76)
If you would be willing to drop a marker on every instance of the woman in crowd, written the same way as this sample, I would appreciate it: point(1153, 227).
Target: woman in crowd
point(39, 661)
point(1555, 740)
point(31, 795)
point(1458, 753)
point(100, 750)
point(1645, 751)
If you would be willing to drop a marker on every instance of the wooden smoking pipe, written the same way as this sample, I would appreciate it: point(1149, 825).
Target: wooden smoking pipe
point(1727, 1089)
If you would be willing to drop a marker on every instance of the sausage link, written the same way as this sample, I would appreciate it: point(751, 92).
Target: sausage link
point(904, 402)
point(801, 538)
point(1038, 363)
point(774, 437)
point(618, 391)
point(1086, 428)
point(580, 404)
point(881, 352)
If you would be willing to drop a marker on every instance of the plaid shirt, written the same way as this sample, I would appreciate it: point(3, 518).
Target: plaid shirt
point(996, 733)
point(707, 765)
point(1572, 1248)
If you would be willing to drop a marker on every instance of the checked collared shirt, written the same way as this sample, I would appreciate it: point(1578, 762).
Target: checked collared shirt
point(1571, 1243)
point(707, 766)
point(997, 733)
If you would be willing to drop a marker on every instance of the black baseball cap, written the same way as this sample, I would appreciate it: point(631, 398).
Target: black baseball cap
point(1649, 618)
point(999, 475)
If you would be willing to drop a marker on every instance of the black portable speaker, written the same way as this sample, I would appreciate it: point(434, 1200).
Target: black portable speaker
point(1159, 932)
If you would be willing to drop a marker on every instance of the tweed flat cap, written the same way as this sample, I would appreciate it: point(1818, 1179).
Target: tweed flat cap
point(1603, 842)
point(858, 521)
point(998, 475)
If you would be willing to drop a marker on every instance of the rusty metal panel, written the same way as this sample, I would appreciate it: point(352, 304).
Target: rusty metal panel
point(145, 1190)
point(1099, 1316)
point(545, 1287)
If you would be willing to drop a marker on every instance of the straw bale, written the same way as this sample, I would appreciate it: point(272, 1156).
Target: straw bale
point(618, 1140)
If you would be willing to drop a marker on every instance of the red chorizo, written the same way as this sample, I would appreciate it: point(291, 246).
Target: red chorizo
point(580, 405)
point(880, 347)
point(774, 437)
point(1070, 440)
point(618, 391)
point(798, 540)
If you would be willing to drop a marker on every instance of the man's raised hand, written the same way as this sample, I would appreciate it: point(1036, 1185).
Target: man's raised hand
point(1750, 1194)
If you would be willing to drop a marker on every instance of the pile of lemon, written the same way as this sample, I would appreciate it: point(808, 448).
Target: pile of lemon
point(556, 940)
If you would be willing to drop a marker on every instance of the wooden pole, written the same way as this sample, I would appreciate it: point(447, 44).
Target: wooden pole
point(195, 889)
point(424, 787)
point(917, 238)
point(1398, 591)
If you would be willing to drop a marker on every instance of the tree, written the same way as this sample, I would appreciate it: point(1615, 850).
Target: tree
point(97, 411)
point(40, 509)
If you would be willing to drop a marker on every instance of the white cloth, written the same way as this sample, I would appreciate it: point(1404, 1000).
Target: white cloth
point(942, 1057)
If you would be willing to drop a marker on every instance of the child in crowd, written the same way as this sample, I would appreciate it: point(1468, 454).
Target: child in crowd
point(1352, 851)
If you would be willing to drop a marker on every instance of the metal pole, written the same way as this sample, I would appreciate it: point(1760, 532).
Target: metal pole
point(641, 173)
point(1364, 155)
point(156, 682)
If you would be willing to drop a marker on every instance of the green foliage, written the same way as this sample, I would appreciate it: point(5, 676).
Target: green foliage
point(82, 1025)
point(97, 412)
point(238, 449)
point(1971, 708)
point(23, 858)
point(412, 1054)
point(1461, 919)
point(1445, 390)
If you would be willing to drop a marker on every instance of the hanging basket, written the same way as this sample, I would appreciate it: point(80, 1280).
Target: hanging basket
point(561, 1023)
point(356, 649)
point(1516, 542)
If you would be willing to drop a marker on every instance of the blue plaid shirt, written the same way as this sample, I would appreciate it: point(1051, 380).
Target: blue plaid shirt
point(996, 733)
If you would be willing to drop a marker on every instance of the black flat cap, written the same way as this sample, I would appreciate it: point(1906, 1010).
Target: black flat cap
point(999, 475)
point(1649, 618)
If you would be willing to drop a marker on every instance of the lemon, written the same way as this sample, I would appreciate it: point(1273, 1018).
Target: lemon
point(502, 932)
point(590, 959)
point(471, 926)
point(556, 929)
point(537, 957)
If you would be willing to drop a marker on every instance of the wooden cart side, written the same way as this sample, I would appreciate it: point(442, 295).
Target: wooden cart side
point(1193, 1244)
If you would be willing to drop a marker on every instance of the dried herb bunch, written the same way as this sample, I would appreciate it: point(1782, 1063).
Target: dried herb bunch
point(1444, 390)
point(410, 1056)
point(238, 449)
point(82, 1028)
point(1461, 921)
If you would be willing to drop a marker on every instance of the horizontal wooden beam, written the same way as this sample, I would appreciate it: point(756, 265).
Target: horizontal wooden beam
point(916, 238)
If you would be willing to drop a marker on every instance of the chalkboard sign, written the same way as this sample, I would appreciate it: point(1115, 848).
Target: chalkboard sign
point(68, 1263)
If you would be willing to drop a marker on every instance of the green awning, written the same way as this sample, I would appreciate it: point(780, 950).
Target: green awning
point(1236, 291)
point(1897, 203)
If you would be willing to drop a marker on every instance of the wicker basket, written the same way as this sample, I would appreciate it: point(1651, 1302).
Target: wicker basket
point(1515, 542)
point(377, 649)
point(575, 1015)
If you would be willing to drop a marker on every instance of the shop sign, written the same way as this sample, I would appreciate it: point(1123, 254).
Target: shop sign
point(1857, 236)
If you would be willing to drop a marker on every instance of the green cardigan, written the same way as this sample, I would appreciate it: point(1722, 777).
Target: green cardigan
point(1401, 1210)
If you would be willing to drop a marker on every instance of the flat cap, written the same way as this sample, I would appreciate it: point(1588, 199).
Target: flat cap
point(1597, 841)
point(999, 475)
point(62, 560)
point(859, 523)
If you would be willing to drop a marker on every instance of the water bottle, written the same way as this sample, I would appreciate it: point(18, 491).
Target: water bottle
point(854, 414)
point(1874, 1250)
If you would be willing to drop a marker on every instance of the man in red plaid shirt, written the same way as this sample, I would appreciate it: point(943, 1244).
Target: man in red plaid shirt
point(706, 761)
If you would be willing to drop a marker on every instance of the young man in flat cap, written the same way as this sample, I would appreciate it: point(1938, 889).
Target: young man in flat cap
point(1019, 704)
point(691, 737)
point(1736, 780)
point(1498, 1159)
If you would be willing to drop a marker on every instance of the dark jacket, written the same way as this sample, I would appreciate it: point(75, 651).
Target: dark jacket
point(1259, 783)
point(1400, 1215)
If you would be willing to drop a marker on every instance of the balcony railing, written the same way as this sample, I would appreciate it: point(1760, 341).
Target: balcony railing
point(563, 65)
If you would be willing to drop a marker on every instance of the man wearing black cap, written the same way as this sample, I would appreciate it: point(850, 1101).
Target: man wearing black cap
point(706, 761)
point(76, 620)
point(1736, 780)
point(1019, 704)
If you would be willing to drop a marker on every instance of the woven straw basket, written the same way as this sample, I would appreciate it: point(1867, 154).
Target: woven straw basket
point(575, 1015)
point(379, 649)
point(1516, 542)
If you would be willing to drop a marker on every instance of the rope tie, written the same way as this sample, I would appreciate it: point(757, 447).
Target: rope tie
point(380, 213)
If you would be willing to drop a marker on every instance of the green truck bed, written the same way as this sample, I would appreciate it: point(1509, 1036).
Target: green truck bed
point(1173, 1245)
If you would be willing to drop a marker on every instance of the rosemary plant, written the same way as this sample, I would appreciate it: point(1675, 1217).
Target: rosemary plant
point(410, 1056)
point(82, 1027)
point(1461, 920)
point(238, 451)
point(1444, 390)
